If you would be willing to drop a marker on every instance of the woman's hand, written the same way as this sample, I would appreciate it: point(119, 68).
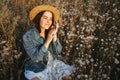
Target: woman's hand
point(52, 35)
point(55, 33)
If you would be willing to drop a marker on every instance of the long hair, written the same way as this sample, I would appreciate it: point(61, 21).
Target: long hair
point(36, 21)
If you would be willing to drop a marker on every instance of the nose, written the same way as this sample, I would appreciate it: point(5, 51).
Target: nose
point(49, 20)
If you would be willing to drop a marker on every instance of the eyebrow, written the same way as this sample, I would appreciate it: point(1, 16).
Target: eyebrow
point(47, 16)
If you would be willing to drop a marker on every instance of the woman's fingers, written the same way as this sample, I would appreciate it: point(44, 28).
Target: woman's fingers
point(52, 32)
point(57, 25)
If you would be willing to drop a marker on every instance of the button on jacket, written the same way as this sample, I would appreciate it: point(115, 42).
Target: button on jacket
point(37, 52)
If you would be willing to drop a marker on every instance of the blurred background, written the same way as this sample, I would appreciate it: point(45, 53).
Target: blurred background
point(89, 33)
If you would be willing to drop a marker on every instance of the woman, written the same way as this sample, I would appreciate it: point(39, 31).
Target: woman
point(43, 47)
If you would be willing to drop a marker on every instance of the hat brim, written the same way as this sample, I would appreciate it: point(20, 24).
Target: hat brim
point(40, 8)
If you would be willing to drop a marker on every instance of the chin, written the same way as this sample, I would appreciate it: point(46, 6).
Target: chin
point(47, 28)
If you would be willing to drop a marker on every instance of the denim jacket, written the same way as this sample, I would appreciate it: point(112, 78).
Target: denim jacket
point(34, 46)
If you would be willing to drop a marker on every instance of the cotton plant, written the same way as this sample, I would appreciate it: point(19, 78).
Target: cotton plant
point(89, 33)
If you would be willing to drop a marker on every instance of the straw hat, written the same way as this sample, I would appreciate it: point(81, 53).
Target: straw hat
point(40, 8)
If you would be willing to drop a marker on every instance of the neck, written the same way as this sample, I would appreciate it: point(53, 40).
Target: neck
point(42, 33)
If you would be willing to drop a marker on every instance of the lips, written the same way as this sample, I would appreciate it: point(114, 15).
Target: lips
point(47, 26)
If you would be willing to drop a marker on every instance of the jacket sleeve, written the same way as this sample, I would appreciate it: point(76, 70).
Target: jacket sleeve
point(57, 47)
point(35, 52)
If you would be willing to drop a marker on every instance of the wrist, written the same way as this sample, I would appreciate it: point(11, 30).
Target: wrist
point(55, 38)
point(46, 44)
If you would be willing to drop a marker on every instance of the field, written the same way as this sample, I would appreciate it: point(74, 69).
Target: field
point(89, 33)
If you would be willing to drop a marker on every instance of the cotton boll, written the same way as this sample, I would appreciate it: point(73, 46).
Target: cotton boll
point(67, 41)
point(87, 62)
point(102, 40)
point(108, 78)
point(116, 61)
point(77, 26)
point(16, 56)
point(77, 48)
point(89, 56)
point(5, 53)
point(78, 76)
point(3, 42)
point(117, 54)
point(15, 51)
point(91, 59)
point(113, 18)
point(86, 76)
point(81, 45)
point(104, 75)
point(95, 65)
point(81, 62)
point(71, 46)
point(82, 19)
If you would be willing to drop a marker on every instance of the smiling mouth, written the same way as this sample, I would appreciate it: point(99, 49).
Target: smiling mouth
point(47, 24)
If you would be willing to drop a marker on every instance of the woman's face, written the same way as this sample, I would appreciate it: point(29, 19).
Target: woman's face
point(46, 20)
